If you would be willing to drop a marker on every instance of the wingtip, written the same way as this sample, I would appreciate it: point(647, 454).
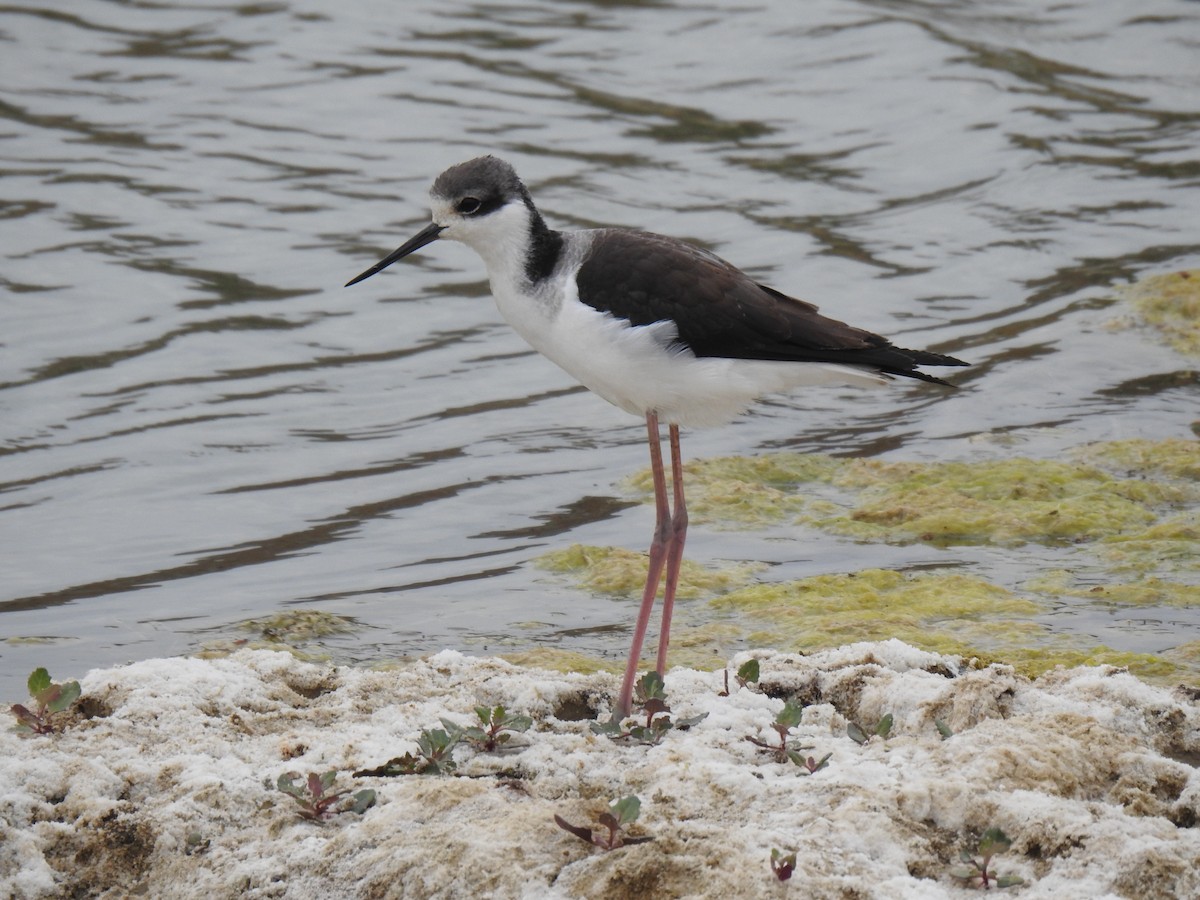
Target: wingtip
point(929, 358)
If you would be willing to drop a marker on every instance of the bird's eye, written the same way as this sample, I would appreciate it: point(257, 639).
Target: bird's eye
point(468, 206)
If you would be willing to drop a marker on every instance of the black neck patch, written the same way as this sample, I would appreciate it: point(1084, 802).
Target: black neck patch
point(545, 245)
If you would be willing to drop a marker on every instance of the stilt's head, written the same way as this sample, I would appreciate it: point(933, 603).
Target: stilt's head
point(481, 203)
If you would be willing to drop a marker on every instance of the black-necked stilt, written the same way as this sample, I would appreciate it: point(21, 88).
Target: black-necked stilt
point(658, 327)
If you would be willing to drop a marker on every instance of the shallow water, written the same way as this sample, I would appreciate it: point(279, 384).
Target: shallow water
point(198, 424)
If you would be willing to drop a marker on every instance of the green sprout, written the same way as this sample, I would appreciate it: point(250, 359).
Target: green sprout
point(314, 799)
point(434, 756)
point(976, 872)
point(747, 674)
point(859, 735)
point(650, 694)
point(620, 813)
point(787, 719)
point(49, 699)
point(496, 728)
point(783, 865)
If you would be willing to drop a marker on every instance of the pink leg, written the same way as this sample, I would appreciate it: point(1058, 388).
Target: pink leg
point(658, 553)
point(679, 524)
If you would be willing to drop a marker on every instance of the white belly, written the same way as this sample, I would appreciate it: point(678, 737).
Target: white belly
point(635, 369)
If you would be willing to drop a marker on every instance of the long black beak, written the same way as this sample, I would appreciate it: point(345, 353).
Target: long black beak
point(426, 235)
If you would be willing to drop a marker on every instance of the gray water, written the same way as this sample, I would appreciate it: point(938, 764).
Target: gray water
point(198, 424)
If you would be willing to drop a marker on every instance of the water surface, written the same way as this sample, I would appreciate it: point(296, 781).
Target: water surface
point(198, 424)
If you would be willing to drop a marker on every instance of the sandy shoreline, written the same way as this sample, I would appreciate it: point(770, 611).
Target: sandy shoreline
point(168, 789)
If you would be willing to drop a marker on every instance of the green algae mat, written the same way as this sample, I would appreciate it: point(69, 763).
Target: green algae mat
point(1170, 304)
point(1124, 517)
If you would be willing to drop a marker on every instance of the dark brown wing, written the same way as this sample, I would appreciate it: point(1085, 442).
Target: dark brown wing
point(720, 311)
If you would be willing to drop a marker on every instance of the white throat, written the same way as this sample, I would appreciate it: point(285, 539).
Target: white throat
point(501, 239)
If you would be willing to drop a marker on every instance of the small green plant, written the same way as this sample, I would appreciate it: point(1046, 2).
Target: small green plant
point(314, 800)
point(650, 694)
point(496, 728)
point(620, 813)
point(787, 719)
point(49, 699)
point(976, 872)
point(808, 764)
point(783, 865)
point(196, 843)
point(434, 756)
point(859, 735)
point(747, 674)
